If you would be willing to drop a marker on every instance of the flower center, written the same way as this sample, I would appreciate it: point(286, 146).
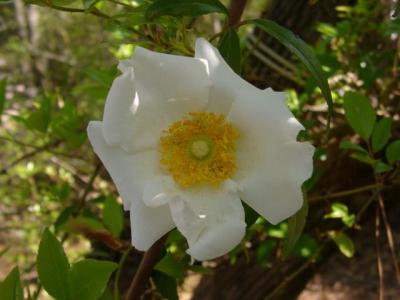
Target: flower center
point(199, 149)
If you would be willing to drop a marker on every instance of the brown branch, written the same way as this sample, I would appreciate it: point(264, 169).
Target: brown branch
point(379, 257)
point(142, 275)
point(236, 11)
point(389, 236)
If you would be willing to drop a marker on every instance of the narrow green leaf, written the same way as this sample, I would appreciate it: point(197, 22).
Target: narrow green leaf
point(3, 84)
point(359, 113)
point(347, 145)
point(302, 51)
point(344, 243)
point(179, 8)
point(53, 267)
point(381, 134)
point(169, 266)
point(296, 225)
point(166, 285)
point(393, 152)
point(113, 216)
point(89, 278)
point(229, 47)
point(11, 287)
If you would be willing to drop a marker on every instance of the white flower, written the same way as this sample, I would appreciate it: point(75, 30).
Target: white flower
point(186, 139)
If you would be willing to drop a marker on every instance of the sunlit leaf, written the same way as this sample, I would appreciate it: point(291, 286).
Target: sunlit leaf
point(344, 243)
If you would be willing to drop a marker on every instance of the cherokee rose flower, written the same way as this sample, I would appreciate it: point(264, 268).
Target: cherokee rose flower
point(186, 139)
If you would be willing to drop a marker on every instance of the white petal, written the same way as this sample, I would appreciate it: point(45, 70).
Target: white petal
point(154, 90)
point(148, 224)
point(128, 171)
point(212, 227)
point(167, 87)
point(118, 114)
point(271, 164)
point(159, 191)
point(224, 80)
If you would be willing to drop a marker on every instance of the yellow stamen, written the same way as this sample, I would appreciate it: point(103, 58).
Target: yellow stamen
point(199, 149)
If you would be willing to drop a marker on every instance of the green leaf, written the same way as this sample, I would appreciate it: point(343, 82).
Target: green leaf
point(169, 266)
point(341, 211)
point(107, 295)
point(381, 167)
point(302, 51)
point(381, 134)
point(89, 278)
point(40, 119)
point(363, 157)
point(166, 285)
point(338, 211)
point(347, 145)
point(53, 267)
point(3, 84)
point(305, 247)
point(344, 243)
point(229, 47)
point(113, 216)
point(89, 3)
point(265, 250)
point(63, 217)
point(11, 287)
point(393, 152)
point(179, 8)
point(251, 215)
point(296, 225)
point(359, 113)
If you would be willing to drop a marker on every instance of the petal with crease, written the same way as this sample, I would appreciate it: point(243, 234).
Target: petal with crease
point(211, 230)
point(272, 165)
point(148, 224)
point(128, 171)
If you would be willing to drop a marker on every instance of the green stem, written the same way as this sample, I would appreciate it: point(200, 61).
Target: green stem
point(124, 256)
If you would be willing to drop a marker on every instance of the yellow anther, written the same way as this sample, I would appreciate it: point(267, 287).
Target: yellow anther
point(199, 149)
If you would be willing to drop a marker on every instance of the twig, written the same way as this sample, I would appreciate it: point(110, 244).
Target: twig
point(142, 275)
point(389, 236)
point(89, 185)
point(236, 11)
point(378, 254)
point(357, 190)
